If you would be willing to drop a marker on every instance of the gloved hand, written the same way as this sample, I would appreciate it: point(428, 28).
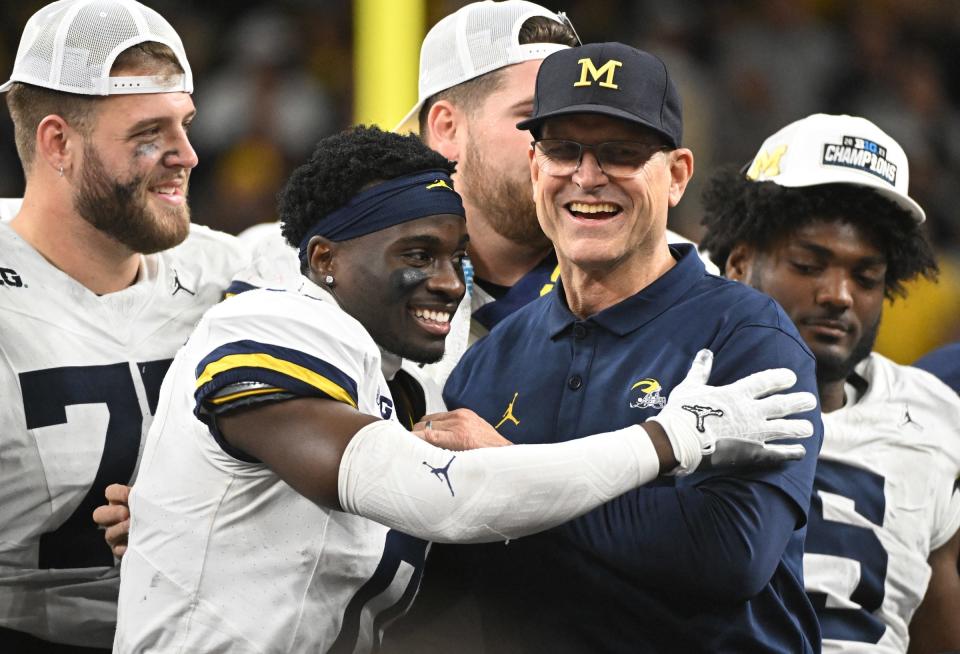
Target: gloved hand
point(714, 426)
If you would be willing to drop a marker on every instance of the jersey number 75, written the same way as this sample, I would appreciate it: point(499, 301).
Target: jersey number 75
point(77, 543)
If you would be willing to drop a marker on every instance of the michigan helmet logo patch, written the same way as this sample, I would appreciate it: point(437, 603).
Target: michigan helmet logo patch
point(645, 394)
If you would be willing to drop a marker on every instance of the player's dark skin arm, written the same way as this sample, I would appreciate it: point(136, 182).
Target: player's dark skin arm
point(935, 626)
point(302, 440)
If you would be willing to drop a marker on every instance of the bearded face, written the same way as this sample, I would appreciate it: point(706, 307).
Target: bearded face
point(125, 207)
point(501, 189)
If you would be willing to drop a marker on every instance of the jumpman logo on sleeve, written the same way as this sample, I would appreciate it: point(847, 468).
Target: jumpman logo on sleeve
point(443, 473)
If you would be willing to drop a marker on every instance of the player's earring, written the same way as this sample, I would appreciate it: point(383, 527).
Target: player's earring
point(61, 171)
point(328, 280)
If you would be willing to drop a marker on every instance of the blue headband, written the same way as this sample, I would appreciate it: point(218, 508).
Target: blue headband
point(395, 201)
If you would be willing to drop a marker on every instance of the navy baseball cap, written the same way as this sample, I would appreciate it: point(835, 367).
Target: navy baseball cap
point(611, 79)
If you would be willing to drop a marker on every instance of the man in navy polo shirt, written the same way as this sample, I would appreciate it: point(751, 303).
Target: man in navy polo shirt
point(604, 352)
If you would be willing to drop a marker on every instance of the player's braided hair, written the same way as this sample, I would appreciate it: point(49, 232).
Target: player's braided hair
point(344, 164)
point(737, 210)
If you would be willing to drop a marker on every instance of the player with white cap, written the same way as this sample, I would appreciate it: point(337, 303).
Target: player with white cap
point(103, 277)
point(822, 222)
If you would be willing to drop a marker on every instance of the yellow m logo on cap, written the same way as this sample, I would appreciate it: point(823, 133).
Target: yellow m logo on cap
point(767, 164)
point(608, 69)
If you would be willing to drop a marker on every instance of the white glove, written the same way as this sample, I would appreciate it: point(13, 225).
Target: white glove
point(731, 425)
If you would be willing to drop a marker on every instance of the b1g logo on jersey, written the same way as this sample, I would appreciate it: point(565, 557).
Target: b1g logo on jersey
point(645, 394)
point(9, 277)
point(862, 154)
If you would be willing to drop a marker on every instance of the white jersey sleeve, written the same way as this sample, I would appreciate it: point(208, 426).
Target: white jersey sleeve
point(884, 498)
point(224, 555)
point(81, 374)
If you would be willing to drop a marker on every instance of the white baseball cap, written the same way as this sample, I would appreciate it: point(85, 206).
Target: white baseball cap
point(70, 46)
point(825, 149)
point(474, 40)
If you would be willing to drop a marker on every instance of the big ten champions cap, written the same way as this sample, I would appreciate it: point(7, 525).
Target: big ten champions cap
point(70, 46)
point(825, 149)
point(611, 79)
point(478, 38)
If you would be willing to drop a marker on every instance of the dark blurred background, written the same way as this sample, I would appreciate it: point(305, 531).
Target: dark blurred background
point(272, 77)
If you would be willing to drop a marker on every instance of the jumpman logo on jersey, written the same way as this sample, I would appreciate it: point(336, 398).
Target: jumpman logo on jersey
point(508, 414)
point(702, 412)
point(908, 419)
point(179, 286)
point(443, 473)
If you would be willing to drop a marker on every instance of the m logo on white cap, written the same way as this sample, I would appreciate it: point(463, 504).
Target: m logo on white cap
point(767, 164)
point(608, 70)
point(862, 154)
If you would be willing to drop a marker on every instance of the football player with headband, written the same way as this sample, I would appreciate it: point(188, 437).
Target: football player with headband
point(103, 278)
point(282, 505)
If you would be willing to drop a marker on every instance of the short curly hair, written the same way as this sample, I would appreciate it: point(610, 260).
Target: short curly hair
point(344, 164)
point(738, 210)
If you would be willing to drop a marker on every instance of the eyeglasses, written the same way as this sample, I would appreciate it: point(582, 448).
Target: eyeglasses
point(560, 157)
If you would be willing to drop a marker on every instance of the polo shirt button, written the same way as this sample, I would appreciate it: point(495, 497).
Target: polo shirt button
point(575, 382)
point(579, 331)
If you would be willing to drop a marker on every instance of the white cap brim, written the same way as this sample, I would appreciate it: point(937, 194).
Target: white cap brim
point(411, 122)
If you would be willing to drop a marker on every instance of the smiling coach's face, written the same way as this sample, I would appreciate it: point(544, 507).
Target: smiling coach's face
point(601, 222)
point(403, 283)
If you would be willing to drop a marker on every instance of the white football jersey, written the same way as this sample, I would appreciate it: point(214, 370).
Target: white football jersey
point(884, 497)
point(80, 376)
point(223, 554)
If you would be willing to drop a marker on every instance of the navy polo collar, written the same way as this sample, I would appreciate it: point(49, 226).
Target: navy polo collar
point(637, 310)
point(529, 288)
